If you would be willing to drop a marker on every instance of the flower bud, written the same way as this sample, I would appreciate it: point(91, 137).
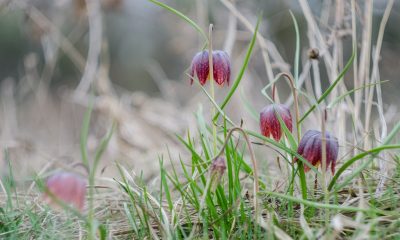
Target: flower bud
point(313, 53)
point(69, 188)
point(310, 148)
point(218, 167)
point(269, 121)
point(221, 67)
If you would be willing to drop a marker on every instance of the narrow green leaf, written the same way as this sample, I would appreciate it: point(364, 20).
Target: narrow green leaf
point(324, 205)
point(102, 147)
point(331, 87)
point(241, 72)
point(374, 152)
point(183, 16)
point(341, 97)
point(249, 108)
point(292, 141)
point(220, 111)
point(85, 133)
point(297, 53)
point(284, 148)
point(164, 184)
point(347, 164)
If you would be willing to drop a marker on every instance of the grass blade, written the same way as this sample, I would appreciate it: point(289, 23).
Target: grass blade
point(331, 87)
point(241, 72)
point(374, 151)
point(183, 16)
point(297, 53)
point(324, 205)
point(85, 133)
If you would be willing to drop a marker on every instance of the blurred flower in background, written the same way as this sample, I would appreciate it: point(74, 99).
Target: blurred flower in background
point(69, 188)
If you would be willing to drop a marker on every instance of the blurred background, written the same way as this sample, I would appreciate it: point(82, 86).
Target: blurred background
point(137, 56)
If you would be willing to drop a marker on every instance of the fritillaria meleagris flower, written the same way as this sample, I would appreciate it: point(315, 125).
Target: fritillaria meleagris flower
point(221, 67)
point(269, 121)
point(310, 148)
point(70, 188)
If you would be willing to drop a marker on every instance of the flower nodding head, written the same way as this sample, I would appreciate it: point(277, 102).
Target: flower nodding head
point(200, 67)
point(269, 121)
point(218, 166)
point(221, 67)
point(310, 148)
point(67, 187)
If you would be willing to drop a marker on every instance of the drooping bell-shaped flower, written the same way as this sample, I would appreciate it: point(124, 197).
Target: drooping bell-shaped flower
point(70, 188)
point(221, 67)
point(269, 121)
point(310, 148)
point(200, 67)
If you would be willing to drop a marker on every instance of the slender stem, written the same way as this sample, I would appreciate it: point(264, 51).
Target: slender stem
point(241, 72)
point(324, 163)
point(202, 201)
point(273, 92)
point(211, 76)
point(253, 160)
point(303, 180)
point(315, 185)
point(296, 103)
point(91, 204)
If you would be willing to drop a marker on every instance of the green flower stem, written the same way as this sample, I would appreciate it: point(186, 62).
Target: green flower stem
point(211, 74)
point(303, 180)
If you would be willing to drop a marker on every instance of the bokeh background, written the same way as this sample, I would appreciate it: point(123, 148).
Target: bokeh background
point(141, 83)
